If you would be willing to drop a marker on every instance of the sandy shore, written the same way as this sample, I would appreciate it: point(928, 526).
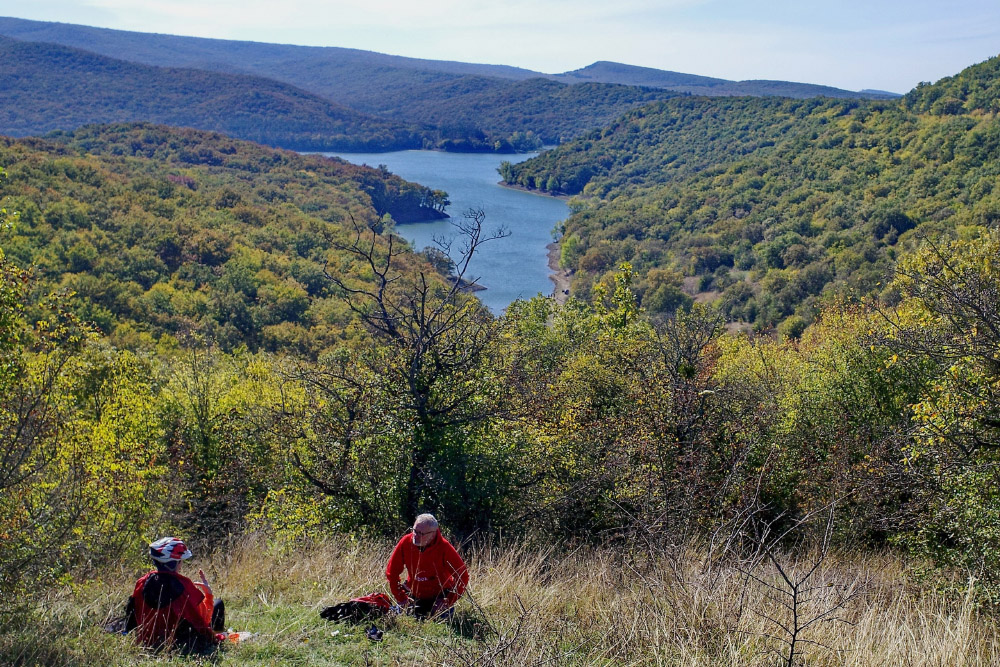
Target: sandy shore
point(560, 277)
point(532, 191)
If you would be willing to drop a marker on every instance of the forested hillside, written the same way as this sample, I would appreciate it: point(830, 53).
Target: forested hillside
point(692, 84)
point(50, 87)
point(164, 232)
point(772, 206)
point(423, 103)
point(59, 88)
point(522, 114)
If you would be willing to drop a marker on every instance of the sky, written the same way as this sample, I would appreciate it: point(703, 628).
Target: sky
point(852, 44)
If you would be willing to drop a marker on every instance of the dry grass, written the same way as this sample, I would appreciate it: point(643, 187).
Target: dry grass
point(531, 606)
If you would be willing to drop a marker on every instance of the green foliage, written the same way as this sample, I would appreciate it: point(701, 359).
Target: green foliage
point(974, 89)
point(479, 114)
point(59, 88)
point(777, 206)
point(218, 414)
point(948, 320)
point(80, 451)
point(164, 232)
point(402, 413)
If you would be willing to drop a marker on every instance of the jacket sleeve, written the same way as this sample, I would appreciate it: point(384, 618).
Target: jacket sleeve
point(195, 603)
point(458, 573)
point(393, 570)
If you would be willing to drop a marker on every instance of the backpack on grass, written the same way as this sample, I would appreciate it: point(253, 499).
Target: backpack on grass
point(359, 610)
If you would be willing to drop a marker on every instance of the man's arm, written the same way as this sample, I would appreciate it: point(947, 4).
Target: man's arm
point(196, 603)
point(458, 573)
point(393, 570)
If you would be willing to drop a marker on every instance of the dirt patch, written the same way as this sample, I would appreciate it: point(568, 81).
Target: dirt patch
point(706, 297)
point(560, 277)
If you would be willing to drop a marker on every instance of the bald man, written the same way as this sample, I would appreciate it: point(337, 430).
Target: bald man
point(436, 575)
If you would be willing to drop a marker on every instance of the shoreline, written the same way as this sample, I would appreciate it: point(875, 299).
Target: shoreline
point(560, 277)
point(530, 191)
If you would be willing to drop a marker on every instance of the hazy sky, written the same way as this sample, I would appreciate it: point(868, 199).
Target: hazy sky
point(853, 44)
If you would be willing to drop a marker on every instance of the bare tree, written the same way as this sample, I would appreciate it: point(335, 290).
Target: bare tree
point(786, 586)
point(429, 338)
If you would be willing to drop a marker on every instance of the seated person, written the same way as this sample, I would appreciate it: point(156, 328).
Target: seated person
point(166, 608)
point(436, 575)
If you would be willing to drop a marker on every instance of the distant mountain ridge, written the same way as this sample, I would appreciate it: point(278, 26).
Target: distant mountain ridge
point(61, 76)
point(611, 72)
point(324, 70)
point(290, 63)
point(53, 87)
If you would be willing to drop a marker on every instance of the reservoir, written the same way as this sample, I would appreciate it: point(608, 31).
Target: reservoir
point(510, 268)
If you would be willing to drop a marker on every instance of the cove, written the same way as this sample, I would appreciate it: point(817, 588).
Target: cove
point(511, 268)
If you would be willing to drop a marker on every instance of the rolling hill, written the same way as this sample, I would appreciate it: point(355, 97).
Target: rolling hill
point(171, 232)
point(469, 106)
point(772, 206)
point(631, 75)
point(51, 87)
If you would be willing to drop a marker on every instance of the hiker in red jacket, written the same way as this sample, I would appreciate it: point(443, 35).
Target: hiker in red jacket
point(167, 608)
point(436, 575)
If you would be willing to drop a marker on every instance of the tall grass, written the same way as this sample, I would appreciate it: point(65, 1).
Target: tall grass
point(529, 605)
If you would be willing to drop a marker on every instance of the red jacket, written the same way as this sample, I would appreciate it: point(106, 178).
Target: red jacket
point(168, 605)
point(431, 571)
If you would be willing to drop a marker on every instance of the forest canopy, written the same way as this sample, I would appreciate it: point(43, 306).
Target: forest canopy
point(166, 232)
point(772, 206)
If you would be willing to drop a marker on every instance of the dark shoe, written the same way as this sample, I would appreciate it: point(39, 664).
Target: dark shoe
point(219, 616)
point(373, 633)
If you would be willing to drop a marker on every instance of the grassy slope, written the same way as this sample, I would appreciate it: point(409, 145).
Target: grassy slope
point(530, 606)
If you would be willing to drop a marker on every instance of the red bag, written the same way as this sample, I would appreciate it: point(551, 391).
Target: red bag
point(361, 609)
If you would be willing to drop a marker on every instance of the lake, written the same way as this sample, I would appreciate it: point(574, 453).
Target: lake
point(509, 268)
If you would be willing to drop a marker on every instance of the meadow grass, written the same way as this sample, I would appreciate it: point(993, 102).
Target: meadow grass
point(539, 606)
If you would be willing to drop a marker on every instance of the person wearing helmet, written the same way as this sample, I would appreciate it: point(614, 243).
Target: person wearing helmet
point(168, 609)
point(436, 575)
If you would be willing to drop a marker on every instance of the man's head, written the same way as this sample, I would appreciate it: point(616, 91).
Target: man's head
point(168, 552)
point(424, 529)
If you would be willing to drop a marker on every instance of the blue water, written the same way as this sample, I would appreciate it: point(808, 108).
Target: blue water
point(509, 268)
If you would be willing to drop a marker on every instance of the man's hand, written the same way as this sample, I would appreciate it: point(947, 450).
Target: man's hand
point(204, 581)
point(440, 605)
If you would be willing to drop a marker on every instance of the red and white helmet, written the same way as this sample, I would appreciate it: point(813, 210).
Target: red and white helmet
point(169, 550)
